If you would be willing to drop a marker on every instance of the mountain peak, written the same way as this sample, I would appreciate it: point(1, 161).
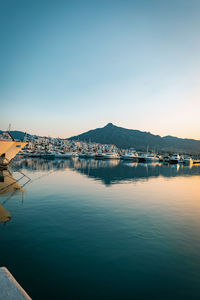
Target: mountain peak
point(109, 125)
point(129, 138)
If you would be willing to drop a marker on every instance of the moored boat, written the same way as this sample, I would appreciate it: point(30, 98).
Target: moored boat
point(99, 155)
point(130, 156)
point(111, 155)
point(174, 159)
point(8, 150)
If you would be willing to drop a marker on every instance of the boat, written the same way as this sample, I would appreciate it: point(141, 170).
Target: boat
point(111, 155)
point(151, 157)
point(174, 159)
point(62, 154)
point(99, 155)
point(9, 149)
point(142, 157)
point(90, 154)
point(130, 156)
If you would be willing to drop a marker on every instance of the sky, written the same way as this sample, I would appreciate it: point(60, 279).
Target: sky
point(70, 66)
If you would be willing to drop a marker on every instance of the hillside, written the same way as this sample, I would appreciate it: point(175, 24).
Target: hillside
point(126, 138)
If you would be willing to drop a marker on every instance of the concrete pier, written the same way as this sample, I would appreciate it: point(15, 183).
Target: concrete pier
point(10, 288)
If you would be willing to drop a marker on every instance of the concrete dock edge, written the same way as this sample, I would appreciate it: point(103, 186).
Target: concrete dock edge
point(10, 288)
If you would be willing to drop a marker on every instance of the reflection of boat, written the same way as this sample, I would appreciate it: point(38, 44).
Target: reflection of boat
point(110, 171)
point(8, 150)
point(8, 185)
point(130, 163)
point(5, 216)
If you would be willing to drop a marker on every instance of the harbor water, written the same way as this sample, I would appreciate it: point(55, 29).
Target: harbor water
point(92, 229)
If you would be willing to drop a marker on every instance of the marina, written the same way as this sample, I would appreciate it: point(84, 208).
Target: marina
point(48, 148)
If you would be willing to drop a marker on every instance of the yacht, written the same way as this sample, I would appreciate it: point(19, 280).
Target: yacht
point(62, 154)
point(111, 155)
point(130, 156)
point(99, 155)
point(9, 149)
point(90, 154)
point(149, 157)
point(174, 159)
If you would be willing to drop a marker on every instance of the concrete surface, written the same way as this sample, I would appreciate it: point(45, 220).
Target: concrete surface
point(10, 288)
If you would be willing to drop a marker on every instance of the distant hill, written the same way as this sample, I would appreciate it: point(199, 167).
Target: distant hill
point(126, 138)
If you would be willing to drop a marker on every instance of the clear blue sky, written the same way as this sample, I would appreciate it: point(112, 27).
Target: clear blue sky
point(70, 66)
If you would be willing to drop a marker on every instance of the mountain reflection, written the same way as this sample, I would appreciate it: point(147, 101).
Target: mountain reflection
point(110, 171)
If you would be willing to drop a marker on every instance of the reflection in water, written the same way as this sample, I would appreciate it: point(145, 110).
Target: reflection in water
point(139, 237)
point(4, 215)
point(8, 186)
point(111, 171)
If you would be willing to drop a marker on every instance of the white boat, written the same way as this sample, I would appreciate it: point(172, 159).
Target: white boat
point(91, 154)
point(150, 157)
point(99, 155)
point(8, 150)
point(111, 155)
point(62, 154)
point(130, 156)
point(174, 159)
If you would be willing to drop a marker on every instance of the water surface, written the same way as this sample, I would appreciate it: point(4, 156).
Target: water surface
point(89, 229)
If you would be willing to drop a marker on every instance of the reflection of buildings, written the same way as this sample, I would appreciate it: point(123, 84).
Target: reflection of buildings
point(8, 186)
point(110, 171)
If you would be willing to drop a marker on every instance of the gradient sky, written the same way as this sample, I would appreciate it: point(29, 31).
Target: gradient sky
point(70, 66)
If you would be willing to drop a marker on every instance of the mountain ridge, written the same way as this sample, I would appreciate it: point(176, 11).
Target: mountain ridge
point(140, 140)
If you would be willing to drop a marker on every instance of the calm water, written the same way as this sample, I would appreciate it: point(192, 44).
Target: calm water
point(87, 229)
